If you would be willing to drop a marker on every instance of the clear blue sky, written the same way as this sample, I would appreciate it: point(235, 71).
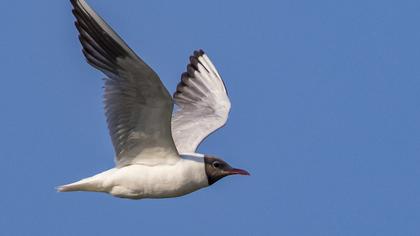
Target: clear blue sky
point(325, 115)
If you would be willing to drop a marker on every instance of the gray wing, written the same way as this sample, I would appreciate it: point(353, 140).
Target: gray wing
point(137, 105)
point(203, 104)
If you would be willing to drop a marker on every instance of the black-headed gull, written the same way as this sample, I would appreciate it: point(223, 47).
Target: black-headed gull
point(155, 148)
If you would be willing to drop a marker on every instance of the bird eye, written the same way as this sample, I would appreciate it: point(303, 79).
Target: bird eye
point(216, 164)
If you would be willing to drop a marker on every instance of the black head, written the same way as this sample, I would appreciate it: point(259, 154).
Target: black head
point(217, 169)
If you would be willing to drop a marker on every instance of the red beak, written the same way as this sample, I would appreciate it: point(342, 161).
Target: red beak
point(238, 172)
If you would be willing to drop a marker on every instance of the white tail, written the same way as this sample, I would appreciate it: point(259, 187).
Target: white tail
point(92, 184)
point(87, 184)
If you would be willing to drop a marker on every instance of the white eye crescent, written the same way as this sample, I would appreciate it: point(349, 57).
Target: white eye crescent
point(217, 164)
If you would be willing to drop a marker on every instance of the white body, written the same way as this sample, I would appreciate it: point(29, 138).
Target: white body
point(141, 181)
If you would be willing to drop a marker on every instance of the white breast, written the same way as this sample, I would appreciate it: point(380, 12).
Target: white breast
point(160, 181)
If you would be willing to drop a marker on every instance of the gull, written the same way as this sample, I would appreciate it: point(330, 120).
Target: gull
point(155, 147)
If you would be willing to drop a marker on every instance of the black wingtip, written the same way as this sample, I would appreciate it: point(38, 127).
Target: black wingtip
point(184, 75)
point(194, 62)
point(74, 3)
point(77, 24)
point(190, 70)
point(199, 53)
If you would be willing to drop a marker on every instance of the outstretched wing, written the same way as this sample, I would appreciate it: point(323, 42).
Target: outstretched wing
point(137, 105)
point(203, 103)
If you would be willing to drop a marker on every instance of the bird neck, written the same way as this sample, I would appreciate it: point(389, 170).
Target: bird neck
point(195, 166)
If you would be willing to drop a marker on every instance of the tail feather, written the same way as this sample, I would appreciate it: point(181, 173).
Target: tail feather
point(92, 184)
point(69, 188)
point(82, 185)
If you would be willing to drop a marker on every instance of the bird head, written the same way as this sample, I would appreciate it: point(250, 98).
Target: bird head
point(217, 169)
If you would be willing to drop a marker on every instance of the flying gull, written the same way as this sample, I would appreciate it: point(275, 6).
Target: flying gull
point(155, 148)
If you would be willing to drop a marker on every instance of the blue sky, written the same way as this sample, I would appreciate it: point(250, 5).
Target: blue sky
point(325, 115)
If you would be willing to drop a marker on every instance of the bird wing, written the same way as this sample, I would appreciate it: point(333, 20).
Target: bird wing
point(203, 103)
point(137, 105)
